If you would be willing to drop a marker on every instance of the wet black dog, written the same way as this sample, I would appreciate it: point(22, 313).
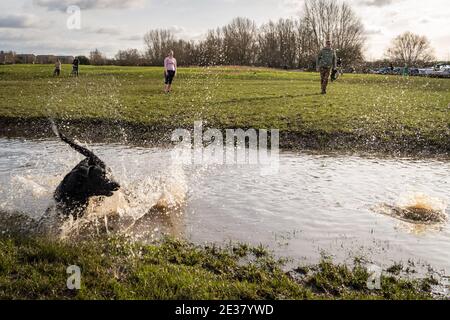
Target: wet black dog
point(88, 179)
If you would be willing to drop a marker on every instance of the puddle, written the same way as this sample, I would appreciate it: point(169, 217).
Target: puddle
point(315, 203)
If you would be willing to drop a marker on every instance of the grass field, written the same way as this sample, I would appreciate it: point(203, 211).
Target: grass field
point(360, 111)
point(117, 269)
point(363, 112)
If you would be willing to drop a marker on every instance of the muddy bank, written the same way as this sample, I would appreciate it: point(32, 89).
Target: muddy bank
point(115, 131)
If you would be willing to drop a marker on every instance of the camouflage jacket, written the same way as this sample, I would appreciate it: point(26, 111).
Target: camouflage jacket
point(327, 58)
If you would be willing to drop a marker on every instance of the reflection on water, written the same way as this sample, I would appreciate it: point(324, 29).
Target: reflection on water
point(315, 203)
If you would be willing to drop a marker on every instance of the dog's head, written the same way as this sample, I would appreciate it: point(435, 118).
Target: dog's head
point(98, 181)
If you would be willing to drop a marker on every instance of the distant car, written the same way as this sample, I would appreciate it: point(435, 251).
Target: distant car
point(349, 70)
point(397, 71)
point(446, 72)
point(383, 71)
point(441, 66)
point(426, 71)
point(414, 72)
point(443, 72)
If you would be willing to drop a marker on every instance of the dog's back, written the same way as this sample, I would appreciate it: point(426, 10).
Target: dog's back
point(89, 178)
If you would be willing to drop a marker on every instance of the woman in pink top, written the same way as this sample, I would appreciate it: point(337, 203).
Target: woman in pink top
point(170, 70)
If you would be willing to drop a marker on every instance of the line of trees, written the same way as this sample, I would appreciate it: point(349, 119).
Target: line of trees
point(410, 49)
point(286, 43)
point(276, 44)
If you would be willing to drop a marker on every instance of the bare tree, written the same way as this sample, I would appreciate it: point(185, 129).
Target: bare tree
point(306, 46)
point(129, 57)
point(288, 42)
point(97, 58)
point(268, 45)
point(330, 19)
point(239, 41)
point(277, 44)
point(211, 50)
point(158, 43)
point(186, 52)
point(410, 49)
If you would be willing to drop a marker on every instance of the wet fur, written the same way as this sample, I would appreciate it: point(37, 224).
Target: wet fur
point(90, 178)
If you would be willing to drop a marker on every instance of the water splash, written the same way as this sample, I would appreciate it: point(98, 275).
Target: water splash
point(417, 208)
point(422, 201)
point(327, 198)
point(147, 191)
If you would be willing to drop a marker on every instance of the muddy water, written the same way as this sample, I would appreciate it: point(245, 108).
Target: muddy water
point(315, 204)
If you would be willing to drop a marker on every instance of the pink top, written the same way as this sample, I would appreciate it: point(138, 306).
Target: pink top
point(170, 64)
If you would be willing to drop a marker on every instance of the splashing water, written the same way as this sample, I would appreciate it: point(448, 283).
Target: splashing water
point(416, 208)
point(148, 188)
point(422, 201)
point(325, 202)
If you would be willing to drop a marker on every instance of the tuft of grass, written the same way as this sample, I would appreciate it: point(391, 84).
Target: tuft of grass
point(395, 269)
point(114, 268)
point(339, 281)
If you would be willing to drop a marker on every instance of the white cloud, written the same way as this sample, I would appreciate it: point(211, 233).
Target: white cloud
point(376, 3)
point(18, 21)
point(177, 29)
point(15, 35)
point(372, 32)
point(62, 5)
point(136, 37)
point(106, 30)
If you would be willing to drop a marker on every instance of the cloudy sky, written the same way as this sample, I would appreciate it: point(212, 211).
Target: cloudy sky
point(40, 26)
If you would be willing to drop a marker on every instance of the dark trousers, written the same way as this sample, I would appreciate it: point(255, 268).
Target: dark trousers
point(57, 72)
point(169, 77)
point(324, 76)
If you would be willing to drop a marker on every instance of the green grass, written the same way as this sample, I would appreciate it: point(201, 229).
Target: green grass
point(367, 108)
point(114, 268)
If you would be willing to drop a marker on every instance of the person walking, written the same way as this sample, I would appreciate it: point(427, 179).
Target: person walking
point(57, 71)
point(75, 65)
point(170, 70)
point(325, 62)
point(406, 70)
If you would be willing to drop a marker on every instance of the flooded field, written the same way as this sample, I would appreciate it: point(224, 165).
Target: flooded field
point(315, 204)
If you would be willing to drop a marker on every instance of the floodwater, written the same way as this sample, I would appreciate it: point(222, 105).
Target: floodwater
point(315, 203)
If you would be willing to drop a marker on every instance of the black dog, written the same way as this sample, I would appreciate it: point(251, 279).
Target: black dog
point(88, 179)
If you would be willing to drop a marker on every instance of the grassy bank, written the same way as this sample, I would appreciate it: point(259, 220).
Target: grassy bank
point(364, 112)
point(116, 269)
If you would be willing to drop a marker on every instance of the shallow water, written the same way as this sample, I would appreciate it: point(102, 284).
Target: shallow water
point(315, 204)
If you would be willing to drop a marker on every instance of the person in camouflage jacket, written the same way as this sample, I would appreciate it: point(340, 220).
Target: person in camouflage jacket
point(326, 61)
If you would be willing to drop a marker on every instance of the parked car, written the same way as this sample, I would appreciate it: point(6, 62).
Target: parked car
point(383, 71)
point(397, 71)
point(441, 66)
point(414, 72)
point(443, 72)
point(426, 71)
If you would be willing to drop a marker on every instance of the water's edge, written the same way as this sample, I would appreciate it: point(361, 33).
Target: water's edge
point(114, 131)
